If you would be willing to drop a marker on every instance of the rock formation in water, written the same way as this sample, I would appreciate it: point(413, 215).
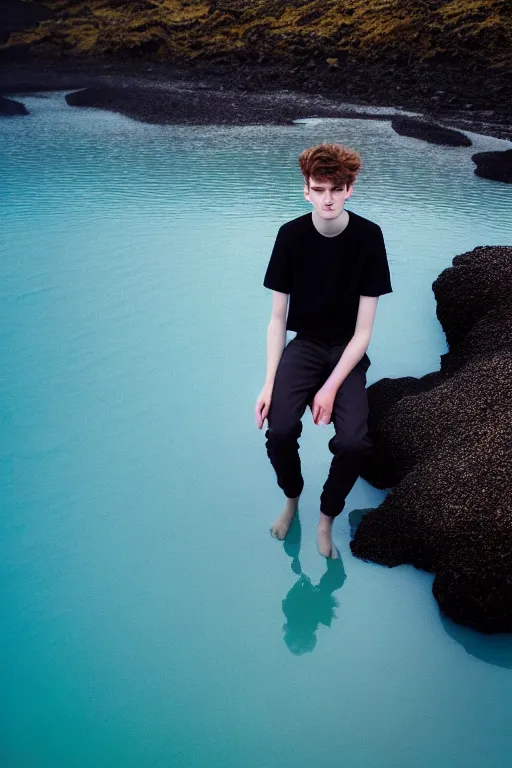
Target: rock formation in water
point(494, 165)
point(444, 446)
point(185, 106)
point(9, 107)
point(429, 131)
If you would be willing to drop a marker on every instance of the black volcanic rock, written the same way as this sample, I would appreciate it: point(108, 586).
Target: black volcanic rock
point(183, 106)
point(494, 165)
point(429, 131)
point(208, 105)
point(9, 107)
point(445, 443)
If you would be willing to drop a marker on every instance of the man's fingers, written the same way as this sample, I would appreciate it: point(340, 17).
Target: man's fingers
point(261, 412)
point(320, 415)
point(326, 417)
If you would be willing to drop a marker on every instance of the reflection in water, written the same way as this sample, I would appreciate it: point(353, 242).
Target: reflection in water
point(493, 649)
point(307, 606)
point(354, 518)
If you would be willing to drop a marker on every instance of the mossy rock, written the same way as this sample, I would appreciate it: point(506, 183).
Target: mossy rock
point(475, 32)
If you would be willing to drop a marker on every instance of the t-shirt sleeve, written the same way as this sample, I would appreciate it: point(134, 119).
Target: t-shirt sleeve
point(375, 280)
point(278, 276)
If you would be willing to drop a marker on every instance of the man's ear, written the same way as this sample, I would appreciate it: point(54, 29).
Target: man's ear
point(349, 192)
point(306, 191)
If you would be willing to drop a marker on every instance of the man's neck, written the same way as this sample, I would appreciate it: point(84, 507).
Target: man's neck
point(330, 227)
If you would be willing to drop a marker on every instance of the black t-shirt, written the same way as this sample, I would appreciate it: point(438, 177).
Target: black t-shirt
point(325, 276)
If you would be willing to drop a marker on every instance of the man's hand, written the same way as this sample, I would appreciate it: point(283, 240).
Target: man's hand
point(323, 404)
point(263, 406)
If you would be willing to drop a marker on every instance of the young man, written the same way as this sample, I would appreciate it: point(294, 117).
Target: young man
point(330, 266)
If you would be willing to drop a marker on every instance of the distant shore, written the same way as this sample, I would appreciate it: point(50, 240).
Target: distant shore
point(220, 94)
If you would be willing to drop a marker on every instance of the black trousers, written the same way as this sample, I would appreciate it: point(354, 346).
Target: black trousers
point(304, 367)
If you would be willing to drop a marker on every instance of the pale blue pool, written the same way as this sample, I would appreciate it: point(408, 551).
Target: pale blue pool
point(142, 595)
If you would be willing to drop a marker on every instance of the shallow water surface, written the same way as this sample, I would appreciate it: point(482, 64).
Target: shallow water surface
point(149, 619)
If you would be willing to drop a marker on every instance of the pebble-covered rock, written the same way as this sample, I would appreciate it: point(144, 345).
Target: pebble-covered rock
point(182, 106)
point(444, 445)
point(429, 131)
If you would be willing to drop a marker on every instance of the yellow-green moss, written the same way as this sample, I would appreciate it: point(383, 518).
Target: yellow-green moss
point(370, 29)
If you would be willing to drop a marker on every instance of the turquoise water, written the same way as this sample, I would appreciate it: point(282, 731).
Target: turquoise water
point(143, 599)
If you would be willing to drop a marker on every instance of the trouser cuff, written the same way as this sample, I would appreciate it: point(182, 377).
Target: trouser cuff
point(292, 493)
point(331, 511)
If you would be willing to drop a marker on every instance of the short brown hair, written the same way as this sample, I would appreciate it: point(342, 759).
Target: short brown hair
point(330, 162)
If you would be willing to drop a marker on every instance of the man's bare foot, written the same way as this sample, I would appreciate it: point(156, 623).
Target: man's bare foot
point(281, 526)
point(324, 536)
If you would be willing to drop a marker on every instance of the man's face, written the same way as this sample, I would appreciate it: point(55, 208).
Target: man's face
point(327, 199)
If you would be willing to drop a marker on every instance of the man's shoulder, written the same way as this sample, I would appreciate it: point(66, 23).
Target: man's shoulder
point(361, 224)
point(296, 226)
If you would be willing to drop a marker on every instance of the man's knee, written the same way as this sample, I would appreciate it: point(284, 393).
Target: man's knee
point(350, 445)
point(282, 433)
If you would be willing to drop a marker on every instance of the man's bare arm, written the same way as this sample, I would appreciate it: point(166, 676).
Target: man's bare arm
point(358, 344)
point(276, 335)
point(276, 340)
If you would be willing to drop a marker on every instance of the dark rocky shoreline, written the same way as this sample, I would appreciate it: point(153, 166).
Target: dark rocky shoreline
point(242, 94)
point(443, 443)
